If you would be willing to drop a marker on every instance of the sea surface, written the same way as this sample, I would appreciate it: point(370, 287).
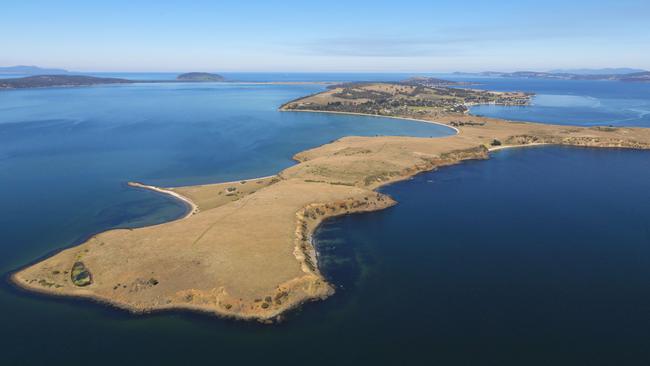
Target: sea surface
point(570, 102)
point(536, 256)
point(567, 102)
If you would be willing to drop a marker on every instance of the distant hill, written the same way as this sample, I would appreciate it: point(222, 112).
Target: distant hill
point(637, 77)
point(200, 77)
point(431, 82)
point(42, 81)
point(31, 70)
point(606, 71)
point(641, 76)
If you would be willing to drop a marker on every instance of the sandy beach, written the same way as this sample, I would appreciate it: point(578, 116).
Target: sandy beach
point(374, 115)
point(194, 209)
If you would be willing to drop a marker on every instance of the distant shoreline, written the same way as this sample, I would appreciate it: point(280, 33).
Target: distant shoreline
point(68, 81)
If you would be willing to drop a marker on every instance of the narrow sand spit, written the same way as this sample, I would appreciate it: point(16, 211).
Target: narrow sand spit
point(194, 208)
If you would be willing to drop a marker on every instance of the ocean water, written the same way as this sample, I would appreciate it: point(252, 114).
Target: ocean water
point(568, 102)
point(571, 102)
point(537, 256)
point(269, 76)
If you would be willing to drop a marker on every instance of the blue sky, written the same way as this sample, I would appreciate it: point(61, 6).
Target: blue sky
point(334, 36)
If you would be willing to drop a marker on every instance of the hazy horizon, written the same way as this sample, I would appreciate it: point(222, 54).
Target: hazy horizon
point(364, 36)
point(550, 70)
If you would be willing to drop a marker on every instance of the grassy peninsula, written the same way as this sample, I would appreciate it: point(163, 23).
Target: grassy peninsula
point(244, 249)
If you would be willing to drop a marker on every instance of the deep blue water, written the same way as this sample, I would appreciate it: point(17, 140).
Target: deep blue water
point(537, 256)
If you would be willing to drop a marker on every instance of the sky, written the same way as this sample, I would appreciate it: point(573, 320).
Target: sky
point(324, 36)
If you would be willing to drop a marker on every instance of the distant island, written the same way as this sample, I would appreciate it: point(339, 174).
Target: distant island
point(604, 71)
point(44, 81)
point(22, 70)
point(432, 82)
point(200, 77)
point(615, 75)
point(31, 70)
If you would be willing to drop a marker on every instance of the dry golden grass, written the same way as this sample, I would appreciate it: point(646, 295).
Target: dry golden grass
point(209, 196)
